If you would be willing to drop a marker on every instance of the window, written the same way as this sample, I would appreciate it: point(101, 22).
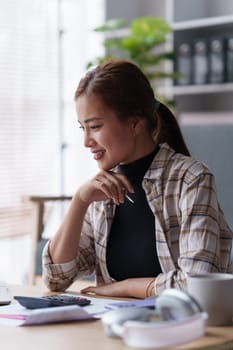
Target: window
point(39, 70)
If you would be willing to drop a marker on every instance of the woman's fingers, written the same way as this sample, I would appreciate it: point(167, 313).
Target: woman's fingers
point(114, 185)
point(110, 290)
point(125, 182)
point(106, 185)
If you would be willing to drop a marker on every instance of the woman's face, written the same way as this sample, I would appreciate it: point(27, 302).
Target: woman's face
point(111, 140)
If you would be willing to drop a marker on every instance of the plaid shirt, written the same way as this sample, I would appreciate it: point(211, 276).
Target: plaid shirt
point(191, 236)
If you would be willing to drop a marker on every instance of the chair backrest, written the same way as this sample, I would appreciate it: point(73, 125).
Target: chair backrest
point(38, 226)
point(213, 144)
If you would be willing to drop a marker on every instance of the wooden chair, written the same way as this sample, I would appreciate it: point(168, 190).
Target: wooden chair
point(38, 225)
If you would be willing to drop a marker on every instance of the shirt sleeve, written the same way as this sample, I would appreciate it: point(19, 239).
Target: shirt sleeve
point(58, 277)
point(200, 232)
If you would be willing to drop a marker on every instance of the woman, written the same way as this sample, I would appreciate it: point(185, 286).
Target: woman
point(150, 216)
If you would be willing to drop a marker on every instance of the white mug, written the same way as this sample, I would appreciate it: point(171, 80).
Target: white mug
point(214, 293)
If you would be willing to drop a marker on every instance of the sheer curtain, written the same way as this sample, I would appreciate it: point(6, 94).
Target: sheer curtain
point(44, 47)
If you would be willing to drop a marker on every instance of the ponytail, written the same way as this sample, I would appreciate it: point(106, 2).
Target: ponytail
point(168, 130)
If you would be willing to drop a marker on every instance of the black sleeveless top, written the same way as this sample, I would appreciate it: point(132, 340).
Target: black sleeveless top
point(131, 249)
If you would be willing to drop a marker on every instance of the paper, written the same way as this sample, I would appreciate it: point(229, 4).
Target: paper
point(16, 315)
point(148, 302)
point(98, 305)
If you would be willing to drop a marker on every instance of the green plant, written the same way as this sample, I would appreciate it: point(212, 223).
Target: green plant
point(143, 44)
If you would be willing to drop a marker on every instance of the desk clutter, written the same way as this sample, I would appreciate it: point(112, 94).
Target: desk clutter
point(204, 61)
point(139, 323)
point(25, 311)
point(91, 332)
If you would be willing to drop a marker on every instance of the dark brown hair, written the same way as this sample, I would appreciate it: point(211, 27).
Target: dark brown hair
point(123, 87)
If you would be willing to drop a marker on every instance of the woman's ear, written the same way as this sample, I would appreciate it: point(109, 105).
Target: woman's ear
point(136, 124)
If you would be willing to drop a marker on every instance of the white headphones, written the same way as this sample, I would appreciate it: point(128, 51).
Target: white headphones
point(177, 319)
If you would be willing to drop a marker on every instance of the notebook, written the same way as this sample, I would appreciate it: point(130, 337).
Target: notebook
point(148, 303)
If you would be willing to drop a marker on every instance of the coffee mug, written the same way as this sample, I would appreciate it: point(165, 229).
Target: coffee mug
point(214, 293)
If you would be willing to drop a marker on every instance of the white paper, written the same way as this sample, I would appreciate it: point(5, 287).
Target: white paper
point(18, 316)
point(9, 314)
point(98, 306)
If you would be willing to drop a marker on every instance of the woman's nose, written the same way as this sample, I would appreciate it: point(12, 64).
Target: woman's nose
point(88, 140)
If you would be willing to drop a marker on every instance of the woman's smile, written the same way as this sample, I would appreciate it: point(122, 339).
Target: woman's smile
point(98, 155)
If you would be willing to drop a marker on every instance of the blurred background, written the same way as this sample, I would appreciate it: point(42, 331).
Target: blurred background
point(45, 46)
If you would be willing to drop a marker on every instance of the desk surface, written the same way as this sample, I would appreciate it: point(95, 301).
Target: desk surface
point(88, 335)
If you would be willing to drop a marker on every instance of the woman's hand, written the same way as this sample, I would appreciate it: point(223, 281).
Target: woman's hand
point(105, 185)
point(132, 287)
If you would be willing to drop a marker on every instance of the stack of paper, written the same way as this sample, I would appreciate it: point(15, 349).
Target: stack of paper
point(18, 316)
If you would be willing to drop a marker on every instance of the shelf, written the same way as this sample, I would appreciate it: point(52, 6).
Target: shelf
point(202, 89)
point(202, 23)
point(180, 90)
point(206, 117)
point(205, 97)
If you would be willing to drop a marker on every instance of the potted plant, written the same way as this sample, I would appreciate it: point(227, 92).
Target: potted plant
point(142, 42)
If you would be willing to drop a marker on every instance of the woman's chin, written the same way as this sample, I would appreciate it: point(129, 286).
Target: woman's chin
point(106, 166)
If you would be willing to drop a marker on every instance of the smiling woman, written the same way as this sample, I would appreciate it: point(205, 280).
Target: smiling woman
point(175, 226)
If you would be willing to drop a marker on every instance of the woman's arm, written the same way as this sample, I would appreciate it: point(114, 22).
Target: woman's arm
point(104, 185)
point(131, 287)
point(63, 247)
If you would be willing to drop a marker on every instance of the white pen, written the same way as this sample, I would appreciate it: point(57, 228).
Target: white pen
point(130, 199)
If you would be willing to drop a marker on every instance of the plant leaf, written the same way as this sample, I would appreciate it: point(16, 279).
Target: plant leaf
point(112, 24)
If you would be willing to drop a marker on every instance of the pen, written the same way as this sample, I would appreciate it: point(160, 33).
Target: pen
point(130, 199)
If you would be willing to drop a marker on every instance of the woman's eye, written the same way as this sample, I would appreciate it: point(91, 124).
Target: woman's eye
point(95, 127)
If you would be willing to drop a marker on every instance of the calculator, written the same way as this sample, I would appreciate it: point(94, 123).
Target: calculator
point(51, 301)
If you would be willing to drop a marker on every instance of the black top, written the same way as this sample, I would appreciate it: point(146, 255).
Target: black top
point(131, 249)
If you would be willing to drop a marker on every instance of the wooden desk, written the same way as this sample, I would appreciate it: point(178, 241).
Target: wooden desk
point(88, 335)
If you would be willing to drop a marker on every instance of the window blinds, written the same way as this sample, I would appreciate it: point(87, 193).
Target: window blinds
point(30, 132)
point(29, 145)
